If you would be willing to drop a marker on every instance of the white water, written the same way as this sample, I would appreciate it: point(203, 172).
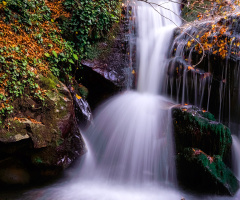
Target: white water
point(155, 34)
point(131, 153)
point(236, 155)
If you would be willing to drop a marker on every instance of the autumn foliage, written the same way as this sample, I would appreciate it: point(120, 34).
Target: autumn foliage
point(36, 38)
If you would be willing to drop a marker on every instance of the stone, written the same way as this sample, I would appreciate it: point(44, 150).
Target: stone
point(81, 106)
point(197, 129)
point(206, 174)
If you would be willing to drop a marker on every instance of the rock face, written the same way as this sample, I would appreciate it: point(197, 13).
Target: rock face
point(202, 144)
point(213, 83)
point(40, 142)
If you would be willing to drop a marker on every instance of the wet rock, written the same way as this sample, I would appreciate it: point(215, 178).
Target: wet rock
point(82, 109)
point(206, 174)
point(213, 83)
point(117, 78)
point(45, 142)
point(97, 80)
point(197, 129)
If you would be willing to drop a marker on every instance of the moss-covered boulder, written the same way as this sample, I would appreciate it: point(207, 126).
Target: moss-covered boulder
point(204, 173)
point(197, 129)
point(42, 138)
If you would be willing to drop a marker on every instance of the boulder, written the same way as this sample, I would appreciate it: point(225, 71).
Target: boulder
point(204, 173)
point(44, 140)
point(198, 129)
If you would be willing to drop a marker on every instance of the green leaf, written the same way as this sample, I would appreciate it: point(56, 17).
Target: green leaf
point(47, 55)
point(54, 53)
point(75, 56)
point(71, 61)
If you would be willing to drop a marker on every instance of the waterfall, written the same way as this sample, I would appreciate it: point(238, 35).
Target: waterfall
point(155, 26)
point(236, 156)
point(131, 138)
point(131, 135)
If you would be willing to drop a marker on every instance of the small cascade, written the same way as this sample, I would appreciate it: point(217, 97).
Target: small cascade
point(236, 156)
point(155, 34)
point(214, 83)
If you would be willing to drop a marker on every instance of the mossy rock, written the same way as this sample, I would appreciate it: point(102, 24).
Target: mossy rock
point(198, 129)
point(16, 132)
point(203, 173)
point(46, 140)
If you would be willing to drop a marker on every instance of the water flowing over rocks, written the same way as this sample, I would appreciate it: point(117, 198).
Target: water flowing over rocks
point(202, 144)
point(39, 144)
point(214, 83)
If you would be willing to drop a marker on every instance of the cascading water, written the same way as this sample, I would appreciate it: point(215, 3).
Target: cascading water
point(236, 156)
point(131, 142)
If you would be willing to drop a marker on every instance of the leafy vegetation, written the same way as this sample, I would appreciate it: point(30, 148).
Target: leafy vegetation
point(202, 9)
point(39, 36)
point(90, 22)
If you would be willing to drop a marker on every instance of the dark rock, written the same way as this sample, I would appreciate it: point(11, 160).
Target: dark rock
point(97, 80)
point(104, 69)
point(214, 83)
point(203, 173)
point(197, 129)
point(13, 172)
point(82, 109)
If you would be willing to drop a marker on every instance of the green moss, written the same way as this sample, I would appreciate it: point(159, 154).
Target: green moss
point(50, 82)
point(208, 173)
point(59, 142)
point(208, 115)
point(102, 49)
point(38, 160)
point(193, 129)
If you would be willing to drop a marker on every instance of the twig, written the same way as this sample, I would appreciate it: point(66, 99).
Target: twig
point(203, 51)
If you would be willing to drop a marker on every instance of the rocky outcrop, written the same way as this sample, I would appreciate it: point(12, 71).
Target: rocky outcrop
point(202, 145)
point(40, 141)
point(214, 82)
